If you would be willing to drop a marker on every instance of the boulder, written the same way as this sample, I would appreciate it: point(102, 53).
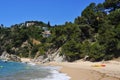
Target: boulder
point(4, 56)
point(8, 57)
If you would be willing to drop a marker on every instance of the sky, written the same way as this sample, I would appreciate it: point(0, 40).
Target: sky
point(55, 11)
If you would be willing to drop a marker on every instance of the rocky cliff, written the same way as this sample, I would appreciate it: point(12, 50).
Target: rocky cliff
point(51, 55)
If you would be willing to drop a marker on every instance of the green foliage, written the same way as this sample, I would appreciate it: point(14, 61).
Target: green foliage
point(89, 13)
point(94, 33)
point(85, 48)
point(94, 15)
point(112, 4)
point(114, 17)
point(80, 20)
point(72, 50)
point(42, 51)
point(23, 52)
point(97, 52)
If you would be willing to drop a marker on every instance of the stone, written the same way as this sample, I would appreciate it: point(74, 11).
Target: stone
point(51, 56)
point(8, 57)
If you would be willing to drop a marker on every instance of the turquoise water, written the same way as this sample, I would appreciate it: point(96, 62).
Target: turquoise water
point(10, 68)
point(22, 71)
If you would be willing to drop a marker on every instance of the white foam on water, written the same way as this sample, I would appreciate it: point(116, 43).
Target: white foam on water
point(55, 75)
point(31, 63)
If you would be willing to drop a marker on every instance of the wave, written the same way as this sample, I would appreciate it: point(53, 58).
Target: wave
point(22, 71)
point(55, 75)
point(31, 63)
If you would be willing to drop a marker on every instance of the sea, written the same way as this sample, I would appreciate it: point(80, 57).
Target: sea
point(22, 71)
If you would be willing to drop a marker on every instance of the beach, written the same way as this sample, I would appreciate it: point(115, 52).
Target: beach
point(25, 59)
point(81, 70)
point(85, 70)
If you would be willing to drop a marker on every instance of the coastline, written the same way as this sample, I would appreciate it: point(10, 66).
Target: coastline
point(81, 70)
point(85, 71)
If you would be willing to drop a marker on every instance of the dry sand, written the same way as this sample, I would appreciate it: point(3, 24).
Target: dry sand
point(25, 60)
point(89, 71)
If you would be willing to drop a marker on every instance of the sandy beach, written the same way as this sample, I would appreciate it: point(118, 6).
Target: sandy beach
point(85, 70)
point(25, 60)
point(90, 71)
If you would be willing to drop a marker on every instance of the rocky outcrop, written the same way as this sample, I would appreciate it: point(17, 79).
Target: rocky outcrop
point(51, 56)
point(8, 57)
point(39, 59)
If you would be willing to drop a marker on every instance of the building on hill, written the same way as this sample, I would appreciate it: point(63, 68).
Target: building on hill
point(29, 24)
point(46, 33)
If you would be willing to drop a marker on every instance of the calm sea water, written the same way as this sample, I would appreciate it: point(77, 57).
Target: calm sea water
point(22, 71)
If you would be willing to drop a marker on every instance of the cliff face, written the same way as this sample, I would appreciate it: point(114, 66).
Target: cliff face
point(51, 55)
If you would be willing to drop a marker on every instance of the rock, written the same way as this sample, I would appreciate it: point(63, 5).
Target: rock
point(8, 57)
point(46, 60)
point(15, 58)
point(5, 56)
point(59, 58)
point(39, 59)
point(51, 57)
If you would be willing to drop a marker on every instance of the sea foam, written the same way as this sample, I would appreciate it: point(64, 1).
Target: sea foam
point(55, 75)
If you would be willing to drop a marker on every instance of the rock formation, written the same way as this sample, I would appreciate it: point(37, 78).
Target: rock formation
point(9, 57)
point(53, 55)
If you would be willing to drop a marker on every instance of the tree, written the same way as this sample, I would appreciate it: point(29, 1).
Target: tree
point(100, 8)
point(114, 17)
point(80, 20)
point(107, 38)
point(97, 52)
point(48, 24)
point(85, 48)
point(72, 50)
point(1, 26)
point(94, 15)
point(112, 5)
point(89, 13)
point(86, 31)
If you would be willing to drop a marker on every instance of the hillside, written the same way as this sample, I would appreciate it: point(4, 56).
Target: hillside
point(95, 34)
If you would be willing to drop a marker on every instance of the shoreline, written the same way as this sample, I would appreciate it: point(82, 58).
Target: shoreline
point(81, 70)
point(84, 70)
point(85, 74)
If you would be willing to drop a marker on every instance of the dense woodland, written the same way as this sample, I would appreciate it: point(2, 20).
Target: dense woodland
point(95, 33)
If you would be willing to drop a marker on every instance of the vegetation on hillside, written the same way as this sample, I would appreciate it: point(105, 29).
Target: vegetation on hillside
point(96, 33)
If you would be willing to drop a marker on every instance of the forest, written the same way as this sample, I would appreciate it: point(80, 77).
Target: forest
point(95, 33)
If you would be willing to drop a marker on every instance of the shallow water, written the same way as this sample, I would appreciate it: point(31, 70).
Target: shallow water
point(22, 71)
